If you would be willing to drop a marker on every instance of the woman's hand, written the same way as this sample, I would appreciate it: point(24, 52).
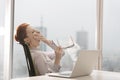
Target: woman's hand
point(58, 53)
point(38, 36)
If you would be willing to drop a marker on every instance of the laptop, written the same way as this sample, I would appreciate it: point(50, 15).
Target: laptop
point(86, 62)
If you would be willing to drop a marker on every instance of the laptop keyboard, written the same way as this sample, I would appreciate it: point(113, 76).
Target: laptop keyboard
point(65, 73)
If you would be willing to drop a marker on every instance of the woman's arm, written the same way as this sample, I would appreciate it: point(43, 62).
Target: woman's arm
point(38, 36)
point(58, 50)
point(58, 53)
point(44, 64)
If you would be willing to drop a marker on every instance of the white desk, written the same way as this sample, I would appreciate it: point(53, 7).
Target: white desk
point(96, 75)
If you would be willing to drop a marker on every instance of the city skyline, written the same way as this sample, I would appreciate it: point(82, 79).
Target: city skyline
point(60, 21)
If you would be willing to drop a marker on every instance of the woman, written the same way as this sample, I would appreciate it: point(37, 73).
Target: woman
point(43, 63)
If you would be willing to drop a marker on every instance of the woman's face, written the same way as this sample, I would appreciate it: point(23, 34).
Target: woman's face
point(32, 37)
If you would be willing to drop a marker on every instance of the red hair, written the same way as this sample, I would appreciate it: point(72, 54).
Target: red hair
point(21, 33)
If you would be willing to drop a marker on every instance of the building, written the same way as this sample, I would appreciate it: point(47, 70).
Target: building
point(82, 39)
point(43, 30)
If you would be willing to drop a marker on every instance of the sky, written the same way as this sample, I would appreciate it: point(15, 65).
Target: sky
point(2, 12)
point(111, 24)
point(62, 18)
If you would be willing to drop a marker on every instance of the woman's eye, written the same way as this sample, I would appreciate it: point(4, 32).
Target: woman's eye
point(38, 32)
point(33, 31)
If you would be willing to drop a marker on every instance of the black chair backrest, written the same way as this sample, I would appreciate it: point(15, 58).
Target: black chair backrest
point(29, 61)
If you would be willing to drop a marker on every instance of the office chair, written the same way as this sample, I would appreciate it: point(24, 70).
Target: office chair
point(29, 61)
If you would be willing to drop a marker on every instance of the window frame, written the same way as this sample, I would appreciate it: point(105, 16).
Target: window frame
point(8, 39)
point(99, 31)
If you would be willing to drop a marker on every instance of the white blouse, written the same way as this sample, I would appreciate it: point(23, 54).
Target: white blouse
point(44, 62)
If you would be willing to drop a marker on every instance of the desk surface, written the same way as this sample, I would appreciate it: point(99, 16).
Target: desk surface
point(96, 75)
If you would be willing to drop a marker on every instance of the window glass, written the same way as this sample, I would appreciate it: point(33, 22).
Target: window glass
point(57, 20)
point(111, 37)
point(1, 56)
point(2, 12)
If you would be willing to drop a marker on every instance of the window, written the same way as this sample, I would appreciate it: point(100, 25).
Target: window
point(1, 54)
point(111, 37)
point(75, 17)
point(2, 12)
point(59, 19)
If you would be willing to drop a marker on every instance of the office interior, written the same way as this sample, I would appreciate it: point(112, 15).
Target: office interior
point(92, 24)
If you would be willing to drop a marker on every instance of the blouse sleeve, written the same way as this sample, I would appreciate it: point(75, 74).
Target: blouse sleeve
point(51, 55)
point(53, 67)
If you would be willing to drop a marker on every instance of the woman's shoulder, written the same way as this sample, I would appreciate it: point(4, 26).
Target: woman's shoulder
point(37, 53)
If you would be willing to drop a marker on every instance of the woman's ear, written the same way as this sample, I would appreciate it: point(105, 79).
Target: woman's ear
point(26, 40)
